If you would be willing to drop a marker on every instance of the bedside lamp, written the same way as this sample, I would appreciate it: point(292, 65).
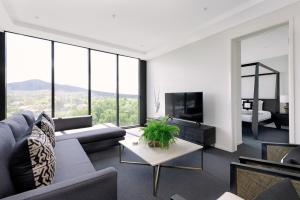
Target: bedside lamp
point(285, 100)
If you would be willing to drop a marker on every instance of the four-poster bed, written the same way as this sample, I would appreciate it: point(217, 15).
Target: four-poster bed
point(260, 111)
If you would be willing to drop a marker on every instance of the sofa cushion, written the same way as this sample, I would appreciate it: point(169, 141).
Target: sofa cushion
point(7, 143)
point(91, 134)
point(32, 164)
point(71, 160)
point(292, 157)
point(18, 125)
point(47, 128)
point(282, 190)
point(29, 117)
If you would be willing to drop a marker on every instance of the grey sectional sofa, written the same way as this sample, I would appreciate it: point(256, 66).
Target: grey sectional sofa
point(75, 177)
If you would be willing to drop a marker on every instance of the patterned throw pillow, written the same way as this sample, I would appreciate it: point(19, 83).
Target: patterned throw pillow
point(47, 128)
point(44, 114)
point(33, 162)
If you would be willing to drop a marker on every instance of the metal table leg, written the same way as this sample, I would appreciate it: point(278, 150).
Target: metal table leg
point(156, 173)
point(156, 169)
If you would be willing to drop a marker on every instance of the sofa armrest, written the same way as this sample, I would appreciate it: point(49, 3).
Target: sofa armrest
point(98, 185)
point(248, 181)
point(275, 151)
point(270, 164)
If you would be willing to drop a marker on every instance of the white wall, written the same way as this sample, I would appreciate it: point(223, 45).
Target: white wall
point(206, 66)
point(280, 64)
point(267, 83)
point(267, 87)
point(195, 69)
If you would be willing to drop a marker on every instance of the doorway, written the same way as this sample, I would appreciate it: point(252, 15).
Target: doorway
point(263, 92)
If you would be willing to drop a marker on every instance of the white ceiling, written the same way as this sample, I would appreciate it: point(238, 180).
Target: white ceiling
point(142, 28)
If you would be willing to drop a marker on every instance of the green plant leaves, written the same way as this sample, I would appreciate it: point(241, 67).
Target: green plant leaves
point(161, 131)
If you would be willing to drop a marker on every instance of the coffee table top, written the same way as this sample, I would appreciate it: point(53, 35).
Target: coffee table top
point(157, 156)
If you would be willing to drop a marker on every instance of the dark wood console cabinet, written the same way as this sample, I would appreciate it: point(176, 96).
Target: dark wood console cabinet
point(201, 134)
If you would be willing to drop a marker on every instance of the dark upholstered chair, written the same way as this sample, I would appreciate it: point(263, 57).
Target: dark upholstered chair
point(275, 151)
point(252, 176)
point(272, 153)
point(248, 181)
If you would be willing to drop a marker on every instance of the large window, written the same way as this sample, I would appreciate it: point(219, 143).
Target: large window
point(103, 87)
point(28, 74)
point(66, 80)
point(128, 91)
point(71, 80)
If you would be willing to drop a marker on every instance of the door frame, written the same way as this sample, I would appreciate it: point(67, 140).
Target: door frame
point(235, 61)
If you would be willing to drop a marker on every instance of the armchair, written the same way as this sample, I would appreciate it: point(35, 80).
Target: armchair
point(272, 153)
point(248, 181)
point(275, 151)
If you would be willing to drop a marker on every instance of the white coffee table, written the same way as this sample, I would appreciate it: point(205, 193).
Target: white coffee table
point(155, 157)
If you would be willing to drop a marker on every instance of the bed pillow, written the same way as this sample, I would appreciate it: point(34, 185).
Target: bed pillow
point(282, 190)
point(32, 164)
point(292, 157)
point(47, 128)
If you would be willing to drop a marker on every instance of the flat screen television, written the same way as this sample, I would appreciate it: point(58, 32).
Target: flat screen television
point(186, 106)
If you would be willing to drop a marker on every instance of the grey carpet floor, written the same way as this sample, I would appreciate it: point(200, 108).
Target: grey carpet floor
point(135, 181)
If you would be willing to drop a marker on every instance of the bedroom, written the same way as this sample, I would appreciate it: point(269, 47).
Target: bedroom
point(265, 86)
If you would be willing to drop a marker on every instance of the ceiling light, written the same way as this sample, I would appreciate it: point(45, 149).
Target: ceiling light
point(205, 8)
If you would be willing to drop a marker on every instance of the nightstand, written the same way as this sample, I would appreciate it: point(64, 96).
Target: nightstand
point(281, 119)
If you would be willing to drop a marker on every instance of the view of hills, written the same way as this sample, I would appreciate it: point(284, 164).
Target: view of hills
point(35, 95)
point(36, 84)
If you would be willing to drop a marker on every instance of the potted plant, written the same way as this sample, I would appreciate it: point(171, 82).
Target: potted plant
point(158, 133)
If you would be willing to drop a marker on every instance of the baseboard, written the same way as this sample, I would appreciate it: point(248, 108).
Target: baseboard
point(224, 148)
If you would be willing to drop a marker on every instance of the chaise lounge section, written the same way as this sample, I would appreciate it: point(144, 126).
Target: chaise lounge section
point(75, 176)
point(92, 138)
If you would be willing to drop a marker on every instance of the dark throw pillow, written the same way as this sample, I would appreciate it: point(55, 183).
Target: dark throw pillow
point(292, 157)
point(44, 114)
point(247, 105)
point(282, 190)
point(32, 164)
point(47, 128)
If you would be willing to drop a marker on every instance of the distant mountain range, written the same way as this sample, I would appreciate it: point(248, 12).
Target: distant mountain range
point(36, 84)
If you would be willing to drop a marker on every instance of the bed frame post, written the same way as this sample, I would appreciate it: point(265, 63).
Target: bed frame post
point(255, 102)
point(275, 107)
point(277, 93)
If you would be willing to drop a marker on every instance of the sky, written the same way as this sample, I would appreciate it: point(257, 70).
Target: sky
point(30, 58)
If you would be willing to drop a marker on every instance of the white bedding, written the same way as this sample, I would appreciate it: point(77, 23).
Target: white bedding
point(262, 115)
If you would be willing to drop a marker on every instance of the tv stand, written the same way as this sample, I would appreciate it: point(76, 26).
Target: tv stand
point(195, 132)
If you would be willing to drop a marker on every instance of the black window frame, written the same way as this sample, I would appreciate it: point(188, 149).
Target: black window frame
point(141, 79)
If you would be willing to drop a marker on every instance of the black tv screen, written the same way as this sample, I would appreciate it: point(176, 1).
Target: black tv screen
point(187, 106)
